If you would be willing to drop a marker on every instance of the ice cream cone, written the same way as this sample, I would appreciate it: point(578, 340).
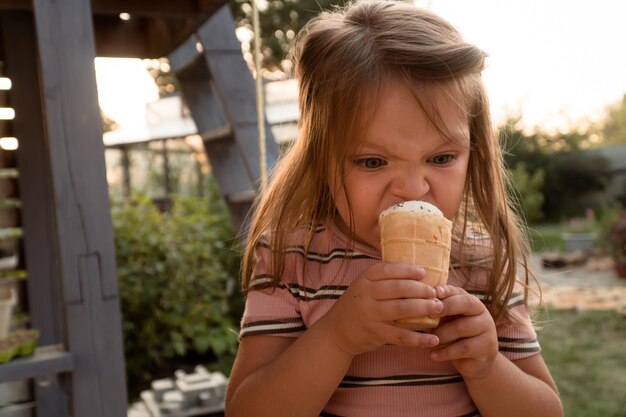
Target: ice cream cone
point(417, 233)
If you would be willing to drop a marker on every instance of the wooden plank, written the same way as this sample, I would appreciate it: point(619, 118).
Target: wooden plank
point(42, 363)
point(164, 8)
point(184, 56)
point(155, 27)
point(82, 214)
point(218, 33)
point(234, 87)
point(45, 300)
point(203, 104)
point(229, 169)
point(116, 38)
point(220, 93)
point(143, 37)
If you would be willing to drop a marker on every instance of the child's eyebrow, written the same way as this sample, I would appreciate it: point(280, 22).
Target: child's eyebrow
point(459, 139)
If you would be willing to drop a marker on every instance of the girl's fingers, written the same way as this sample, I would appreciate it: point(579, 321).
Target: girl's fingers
point(446, 291)
point(462, 349)
point(462, 327)
point(392, 334)
point(383, 270)
point(401, 288)
point(459, 302)
point(391, 310)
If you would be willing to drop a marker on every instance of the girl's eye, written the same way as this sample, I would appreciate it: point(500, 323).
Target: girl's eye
point(441, 159)
point(370, 163)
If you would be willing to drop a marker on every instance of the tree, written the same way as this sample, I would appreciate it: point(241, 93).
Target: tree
point(525, 188)
point(570, 173)
point(161, 71)
point(108, 124)
point(280, 21)
point(614, 130)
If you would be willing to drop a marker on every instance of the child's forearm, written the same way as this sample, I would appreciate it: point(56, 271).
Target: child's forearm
point(298, 383)
point(509, 391)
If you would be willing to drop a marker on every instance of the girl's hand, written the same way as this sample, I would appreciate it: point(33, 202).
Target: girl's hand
point(363, 317)
point(467, 333)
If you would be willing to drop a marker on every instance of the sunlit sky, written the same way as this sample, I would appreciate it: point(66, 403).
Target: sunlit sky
point(555, 62)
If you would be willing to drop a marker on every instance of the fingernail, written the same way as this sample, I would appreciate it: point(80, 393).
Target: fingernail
point(433, 341)
point(441, 290)
point(438, 305)
point(434, 355)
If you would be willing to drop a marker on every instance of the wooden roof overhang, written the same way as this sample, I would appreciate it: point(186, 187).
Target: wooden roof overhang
point(155, 27)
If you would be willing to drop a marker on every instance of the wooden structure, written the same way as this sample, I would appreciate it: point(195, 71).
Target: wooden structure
point(48, 50)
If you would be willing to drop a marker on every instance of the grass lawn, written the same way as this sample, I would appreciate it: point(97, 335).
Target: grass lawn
point(586, 354)
point(546, 237)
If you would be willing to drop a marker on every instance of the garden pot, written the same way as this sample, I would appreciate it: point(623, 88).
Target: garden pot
point(14, 392)
point(579, 241)
point(7, 301)
point(9, 262)
point(9, 217)
point(18, 410)
point(8, 188)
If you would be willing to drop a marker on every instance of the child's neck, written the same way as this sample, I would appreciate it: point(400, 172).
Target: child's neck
point(343, 228)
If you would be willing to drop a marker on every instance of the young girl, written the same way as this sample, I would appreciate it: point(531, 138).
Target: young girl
point(392, 109)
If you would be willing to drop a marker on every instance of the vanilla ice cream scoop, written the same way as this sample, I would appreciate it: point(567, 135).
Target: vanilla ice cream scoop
point(417, 233)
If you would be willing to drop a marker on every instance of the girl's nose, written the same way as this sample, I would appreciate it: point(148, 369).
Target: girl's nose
point(411, 186)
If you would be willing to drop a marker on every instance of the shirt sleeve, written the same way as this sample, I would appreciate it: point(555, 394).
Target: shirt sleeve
point(518, 339)
point(270, 311)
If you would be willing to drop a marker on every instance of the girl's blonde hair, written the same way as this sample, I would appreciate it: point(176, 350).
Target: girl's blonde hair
point(342, 58)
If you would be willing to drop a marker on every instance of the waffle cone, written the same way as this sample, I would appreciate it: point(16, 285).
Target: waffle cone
point(422, 239)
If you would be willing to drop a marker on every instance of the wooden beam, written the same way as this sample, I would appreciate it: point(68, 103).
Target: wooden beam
point(117, 38)
point(45, 300)
point(155, 29)
point(140, 37)
point(84, 233)
point(16, 5)
point(163, 8)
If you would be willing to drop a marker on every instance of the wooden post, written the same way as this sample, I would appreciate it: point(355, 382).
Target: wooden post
point(166, 171)
point(84, 235)
point(126, 184)
point(45, 299)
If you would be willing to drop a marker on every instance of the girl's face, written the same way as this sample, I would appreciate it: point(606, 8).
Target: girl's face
point(403, 156)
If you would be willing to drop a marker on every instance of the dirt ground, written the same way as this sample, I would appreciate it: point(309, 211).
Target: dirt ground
point(593, 286)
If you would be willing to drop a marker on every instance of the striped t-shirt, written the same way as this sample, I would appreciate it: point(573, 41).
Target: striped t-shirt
point(390, 381)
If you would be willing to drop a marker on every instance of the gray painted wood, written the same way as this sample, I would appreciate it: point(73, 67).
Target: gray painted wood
point(235, 89)
point(40, 365)
point(220, 90)
point(126, 184)
point(229, 167)
point(183, 56)
point(35, 186)
point(84, 234)
point(45, 304)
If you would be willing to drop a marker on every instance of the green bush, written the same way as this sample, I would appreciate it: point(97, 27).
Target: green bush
point(570, 173)
point(177, 274)
point(525, 189)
